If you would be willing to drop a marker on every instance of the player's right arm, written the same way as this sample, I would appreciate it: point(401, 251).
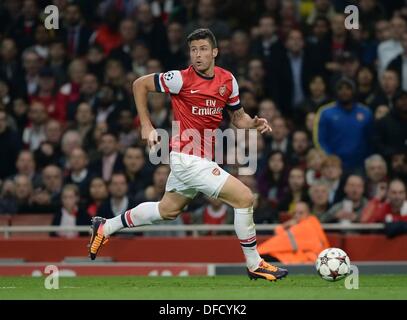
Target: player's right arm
point(141, 87)
point(169, 82)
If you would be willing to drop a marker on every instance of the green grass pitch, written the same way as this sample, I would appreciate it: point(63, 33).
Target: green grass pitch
point(218, 287)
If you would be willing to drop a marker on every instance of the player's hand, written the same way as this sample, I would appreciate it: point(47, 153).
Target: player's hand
point(261, 125)
point(150, 134)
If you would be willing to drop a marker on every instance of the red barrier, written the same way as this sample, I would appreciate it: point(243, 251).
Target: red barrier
point(216, 249)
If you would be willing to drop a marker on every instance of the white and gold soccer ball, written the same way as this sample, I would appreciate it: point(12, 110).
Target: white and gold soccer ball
point(333, 264)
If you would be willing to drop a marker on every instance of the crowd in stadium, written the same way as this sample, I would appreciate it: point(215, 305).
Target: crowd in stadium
point(336, 100)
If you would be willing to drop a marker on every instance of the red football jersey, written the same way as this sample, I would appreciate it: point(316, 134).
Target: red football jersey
point(197, 103)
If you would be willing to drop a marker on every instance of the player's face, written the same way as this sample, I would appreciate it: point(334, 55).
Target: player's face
point(202, 55)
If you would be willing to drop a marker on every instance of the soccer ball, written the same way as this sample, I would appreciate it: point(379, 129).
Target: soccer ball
point(333, 264)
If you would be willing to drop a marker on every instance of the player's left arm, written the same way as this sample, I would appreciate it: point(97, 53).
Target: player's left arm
point(239, 117)
point(242, 120)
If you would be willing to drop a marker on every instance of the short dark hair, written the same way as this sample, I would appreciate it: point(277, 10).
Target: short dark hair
point(200, 34)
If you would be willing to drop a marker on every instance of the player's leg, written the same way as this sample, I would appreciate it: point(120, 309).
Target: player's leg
point(240, 197)
point(146, 213)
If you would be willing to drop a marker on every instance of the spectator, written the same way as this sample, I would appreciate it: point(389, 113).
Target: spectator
point(137, 171)
point(70, 140)
point(58, 61)
point(239, 53)
point(317, 97)
point(267, 45)
point(348, 136)
point(23, 194)
point(79, 174)
point(84, 123)
point(296, 192)
point(393, 209)
point(376, 172)
point(140, 54)
point(390, 49)
point(272, 182)
point(279, 136)
point(256, 79)
point(126, 7)
point(159, 111)
point(399, 63)
point(49, 150)
point(175, 58)
point(88, 94)
point(390, 132)
point(350, 208)
point(268, 110)
point(319, 195)
point(47, 198)
point(331, 173)
point(98, 193)
point(366, 83)
point(10, 145)
point(128, 134)
point(300, 145)
point(74, 32)
point(69, 93)
point(107, 108)
point(314, 160)
point(207, 19)
point(118, 201)
point(70, 214)
point(151, 31)
point(214, 213)
point(10, 69)
point(111, 160)
point(322, 8)
point(8, 204)
point(24, 27)
point(96, 62)
point(293, 73)
point(34, 133)
point(398, 165)
point(26, 166)
point(128, 34)
point(389, 84)
point(157, 189)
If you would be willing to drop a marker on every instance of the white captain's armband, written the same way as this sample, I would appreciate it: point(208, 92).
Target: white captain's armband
point(233, 102)
point(168, 82)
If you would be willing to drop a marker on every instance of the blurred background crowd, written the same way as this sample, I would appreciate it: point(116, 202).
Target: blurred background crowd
point(336, 100)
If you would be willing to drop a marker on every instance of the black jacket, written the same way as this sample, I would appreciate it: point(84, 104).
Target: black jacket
point(10, 145)
point(390, 134)
point(397, 65)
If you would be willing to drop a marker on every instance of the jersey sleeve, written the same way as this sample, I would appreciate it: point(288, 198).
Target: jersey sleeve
point(233, 102)
point(168, 82)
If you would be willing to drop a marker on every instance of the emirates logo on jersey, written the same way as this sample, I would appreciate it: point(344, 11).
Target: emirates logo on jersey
point(222, 90)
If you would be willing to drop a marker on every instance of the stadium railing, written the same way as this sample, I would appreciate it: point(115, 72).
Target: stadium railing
point(194, 229)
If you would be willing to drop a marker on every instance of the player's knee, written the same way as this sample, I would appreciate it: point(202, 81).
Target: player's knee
point(246, 199)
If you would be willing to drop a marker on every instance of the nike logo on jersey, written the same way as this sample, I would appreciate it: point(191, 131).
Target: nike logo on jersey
point(194, 91)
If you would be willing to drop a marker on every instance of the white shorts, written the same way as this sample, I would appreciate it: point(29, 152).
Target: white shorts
point(192, 174)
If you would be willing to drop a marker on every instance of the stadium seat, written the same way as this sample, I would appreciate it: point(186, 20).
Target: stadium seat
point(31, 220)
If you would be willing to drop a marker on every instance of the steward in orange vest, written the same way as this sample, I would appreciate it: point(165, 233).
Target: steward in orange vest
point(298, 240)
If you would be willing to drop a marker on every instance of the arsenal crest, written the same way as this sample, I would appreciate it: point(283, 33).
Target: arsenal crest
point(222, 90)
